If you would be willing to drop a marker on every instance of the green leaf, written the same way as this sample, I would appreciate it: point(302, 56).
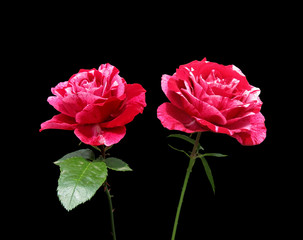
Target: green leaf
point(84, 153)
point(179, 150)
point(208, 173)
point(117, 164)
point(213, 155)
point(79, 180)
point(186, 138)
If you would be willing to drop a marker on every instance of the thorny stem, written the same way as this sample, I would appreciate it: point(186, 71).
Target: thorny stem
point(111, 211)
point(192, 160)
point(109, 197)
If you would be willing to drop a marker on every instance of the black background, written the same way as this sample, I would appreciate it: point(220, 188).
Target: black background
point(144, 42)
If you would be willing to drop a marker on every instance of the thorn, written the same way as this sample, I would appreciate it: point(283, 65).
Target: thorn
point(107, 189)
point(113, 209)
point(106, 186)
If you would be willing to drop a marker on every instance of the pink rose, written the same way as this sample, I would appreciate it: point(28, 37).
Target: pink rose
point(206, 96)
point(96, 104)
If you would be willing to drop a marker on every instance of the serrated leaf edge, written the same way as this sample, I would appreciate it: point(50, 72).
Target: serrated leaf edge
point(62, 171)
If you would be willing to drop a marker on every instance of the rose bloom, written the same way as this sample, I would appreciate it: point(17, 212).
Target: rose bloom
point(206, 96)
point(96, 104)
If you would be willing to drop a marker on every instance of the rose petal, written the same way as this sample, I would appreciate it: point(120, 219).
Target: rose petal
point(206, 111)
point(59, 121)
point(252, 130)
point(173, 118)
point(135, 93)
point(69, 105)
point(235, 72)
point(135, 103)
point(180, 101)
point(97, 113)
point(113, 135)
point(60, 89)
point(240, 111)
point(113, 84)
point(108, 70)
point(164, 83)
point(94, 135)
point(183, 71)
point(168, 83)
point(212, 127)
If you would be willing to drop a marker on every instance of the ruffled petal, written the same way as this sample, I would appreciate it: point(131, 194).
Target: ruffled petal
point(97, 113)
point(112, 83)
point(69, 105)
point(183, 71)
point(135, 103)
point(113, 135)
point(212, 127)
point(252, 130)
point(135, 94)
point(60, 89)
point(206, 111)
point(59, 121)
point(94, 135)
point(173, 118)
point(248, 131)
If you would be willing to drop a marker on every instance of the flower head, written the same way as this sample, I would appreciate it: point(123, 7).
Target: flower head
point(96, 104)
point(206, 96)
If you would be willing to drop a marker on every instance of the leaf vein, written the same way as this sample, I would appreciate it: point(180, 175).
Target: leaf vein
point(77, 181)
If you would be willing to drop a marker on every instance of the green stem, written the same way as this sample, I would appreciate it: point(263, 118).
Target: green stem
point(111, 212)
point(103, 150)
point(192, 160)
